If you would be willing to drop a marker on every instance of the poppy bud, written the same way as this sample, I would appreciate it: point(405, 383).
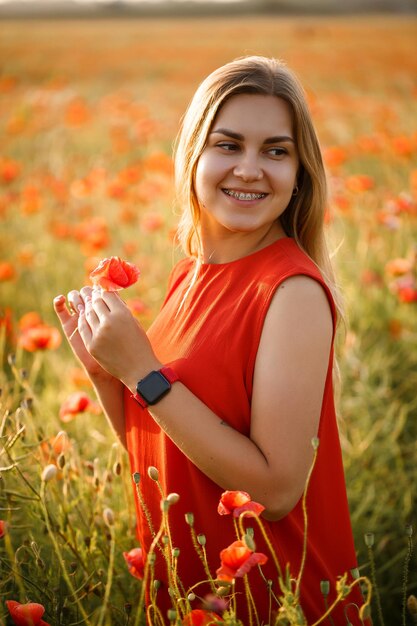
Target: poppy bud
point(249, 542)
point(117, 468)
point(412, 606)
point(172, 615)
point(201, 540)
point(369, 539)
point(108, 517)
point(49, 472)
point(153, 473)
point(61, 461)
point(136, 478)
point(173, 498)
point(191, 597)
point(189, 518)
point(175, 553)
point(409, 530)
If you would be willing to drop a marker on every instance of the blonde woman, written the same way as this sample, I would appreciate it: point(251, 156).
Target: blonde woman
point(244, 340)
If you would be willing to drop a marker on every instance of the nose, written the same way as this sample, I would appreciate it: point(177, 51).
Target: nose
point(248, 167)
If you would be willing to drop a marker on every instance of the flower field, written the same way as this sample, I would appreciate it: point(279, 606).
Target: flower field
point(88, 114)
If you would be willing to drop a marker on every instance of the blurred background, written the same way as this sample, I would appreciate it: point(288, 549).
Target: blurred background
point(91, 95)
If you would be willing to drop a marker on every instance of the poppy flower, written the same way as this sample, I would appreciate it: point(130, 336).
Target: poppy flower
point(30, 320)
point(113, 274)
point(237, 560)
point(40, 337)
point(7, 271)
point(199, 617)
point(3, 528)
point(135, 562)
point(77, 402)
point(237, 502)
point(29, 614)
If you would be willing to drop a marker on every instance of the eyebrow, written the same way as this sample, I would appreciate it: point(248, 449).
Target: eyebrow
point(239, 137)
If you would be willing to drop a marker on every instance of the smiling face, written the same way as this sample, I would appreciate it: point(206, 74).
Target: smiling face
point(247, 172)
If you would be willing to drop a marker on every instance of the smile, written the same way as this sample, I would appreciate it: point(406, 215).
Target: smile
point(241, 195)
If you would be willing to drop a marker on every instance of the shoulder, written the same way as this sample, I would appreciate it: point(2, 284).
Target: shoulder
point(304, 294)
point(301, 306)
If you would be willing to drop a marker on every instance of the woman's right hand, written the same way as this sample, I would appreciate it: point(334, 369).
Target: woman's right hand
point(68, 314)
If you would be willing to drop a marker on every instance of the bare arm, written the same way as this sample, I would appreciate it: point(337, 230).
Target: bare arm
point(290, 372)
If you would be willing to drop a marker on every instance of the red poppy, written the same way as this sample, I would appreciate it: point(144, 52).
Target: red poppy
point(26, 614)
point(40, 337)
point(3, 528)
point(135, 562)
point(7, 271)
point(77, 402)
point(237, 560)
point(30, 320)
point(237, 502)
point(199, 617)
point(113, 274)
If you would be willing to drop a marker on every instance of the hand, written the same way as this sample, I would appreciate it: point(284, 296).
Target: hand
point(113, 337)
point(68, 314)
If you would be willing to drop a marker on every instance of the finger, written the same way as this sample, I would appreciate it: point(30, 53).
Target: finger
point(90, 313)
point(74, 299)
point(83, 326)
point(86, 292)
point(60, 308)
point(100, 307)
point(112, 299)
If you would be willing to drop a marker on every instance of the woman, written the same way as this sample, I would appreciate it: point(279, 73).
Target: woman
point(247, 330)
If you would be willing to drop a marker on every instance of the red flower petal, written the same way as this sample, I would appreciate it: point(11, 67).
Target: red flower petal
point(199, 617)
point(26, 614)
point(229, 500)
point(135, 562)
point(113, 274)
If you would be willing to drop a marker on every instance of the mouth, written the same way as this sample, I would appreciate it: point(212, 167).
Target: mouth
point(244, 195)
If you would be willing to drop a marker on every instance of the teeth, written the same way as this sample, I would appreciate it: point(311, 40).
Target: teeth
point(240, 195)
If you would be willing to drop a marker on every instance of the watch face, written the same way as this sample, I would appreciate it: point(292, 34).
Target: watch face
point(153, 387)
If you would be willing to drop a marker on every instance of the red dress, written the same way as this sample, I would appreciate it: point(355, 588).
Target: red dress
point(212, 343)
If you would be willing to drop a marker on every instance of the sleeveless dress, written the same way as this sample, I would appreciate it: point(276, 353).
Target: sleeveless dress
point(211, 342)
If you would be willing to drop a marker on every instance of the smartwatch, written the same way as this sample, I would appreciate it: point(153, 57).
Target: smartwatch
point(154, 386)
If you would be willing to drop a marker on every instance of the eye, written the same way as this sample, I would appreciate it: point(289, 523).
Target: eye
point(277, 151)
point(228, 145)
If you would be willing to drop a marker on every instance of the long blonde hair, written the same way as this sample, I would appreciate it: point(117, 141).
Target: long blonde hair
point(303, 219)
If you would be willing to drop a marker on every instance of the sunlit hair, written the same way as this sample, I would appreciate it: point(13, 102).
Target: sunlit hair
point(303, 219)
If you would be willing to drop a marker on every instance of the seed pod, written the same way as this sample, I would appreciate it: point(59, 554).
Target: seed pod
point(325, 587)
point(117, 468)
point(369, 539)
point(175, 553)
point(189, 518)
point(136, 478)
point(201, 539)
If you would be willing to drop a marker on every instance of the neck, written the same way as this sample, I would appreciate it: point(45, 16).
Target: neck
point(233, 246)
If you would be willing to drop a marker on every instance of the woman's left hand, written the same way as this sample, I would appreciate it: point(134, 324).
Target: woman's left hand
point(114, 338)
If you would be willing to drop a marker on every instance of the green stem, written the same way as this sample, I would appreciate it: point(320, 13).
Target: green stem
point(405, 576)
point(109, 577)
point(59, 556)
point(375, 586)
